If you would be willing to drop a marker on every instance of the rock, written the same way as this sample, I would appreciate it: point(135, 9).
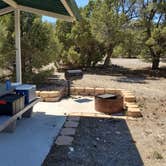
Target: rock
point(71, 124)
point(97, 138)
point(118, 132)
point(64, 140)
point(71, 149)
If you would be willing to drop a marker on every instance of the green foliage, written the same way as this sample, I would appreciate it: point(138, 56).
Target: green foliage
point(63, 32)
point(159, 40)
point(38, 44)
point(119, 51)
point(107, 25)
point(153, 19)
point(157, 155)
point(7, 50)
point(80, 48)
point(85, 43)
point(73, 57)
point(42, 76)
point(131, 44)
point(107, 28)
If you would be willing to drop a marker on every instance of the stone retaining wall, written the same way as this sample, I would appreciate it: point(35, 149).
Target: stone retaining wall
point(51, 96)
point(130, 104)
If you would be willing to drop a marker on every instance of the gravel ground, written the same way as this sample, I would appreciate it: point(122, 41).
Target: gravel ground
point(107, 142)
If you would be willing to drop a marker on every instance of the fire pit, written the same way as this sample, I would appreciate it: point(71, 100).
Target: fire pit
point(109, 103)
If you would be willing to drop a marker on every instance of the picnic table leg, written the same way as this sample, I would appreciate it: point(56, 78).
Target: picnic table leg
point(10, 127)
point(28, 113)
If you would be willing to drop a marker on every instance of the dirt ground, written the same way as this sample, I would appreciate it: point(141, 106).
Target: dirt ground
point(110, 142)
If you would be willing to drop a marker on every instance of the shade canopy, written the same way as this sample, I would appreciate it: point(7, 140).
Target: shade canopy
point(62, 9)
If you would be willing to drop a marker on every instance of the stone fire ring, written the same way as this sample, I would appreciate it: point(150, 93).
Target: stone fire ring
point(109, 105)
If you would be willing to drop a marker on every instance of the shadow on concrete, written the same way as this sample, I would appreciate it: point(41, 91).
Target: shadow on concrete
point(30, 143)
point(98, 142)
point(83, 100)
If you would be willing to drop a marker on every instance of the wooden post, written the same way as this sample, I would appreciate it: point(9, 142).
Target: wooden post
point(18, 46)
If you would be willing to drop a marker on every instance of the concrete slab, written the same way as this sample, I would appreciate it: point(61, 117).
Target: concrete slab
point(68, 131)
point(73, 119)
point(64, 140)
point(70, 105)
point(76, 106)
point(71, 124)
point(32, 139)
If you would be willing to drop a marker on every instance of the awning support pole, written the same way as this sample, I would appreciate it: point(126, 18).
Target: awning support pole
point(18, 46)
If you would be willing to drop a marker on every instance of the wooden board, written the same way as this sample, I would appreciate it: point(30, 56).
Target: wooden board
point(5, 121)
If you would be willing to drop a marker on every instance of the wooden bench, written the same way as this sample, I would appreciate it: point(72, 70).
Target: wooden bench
point(8, 123)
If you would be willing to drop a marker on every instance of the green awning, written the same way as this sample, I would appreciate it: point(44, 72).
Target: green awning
point(62, 9)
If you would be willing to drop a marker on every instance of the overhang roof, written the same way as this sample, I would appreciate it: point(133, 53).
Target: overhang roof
point(62, 9)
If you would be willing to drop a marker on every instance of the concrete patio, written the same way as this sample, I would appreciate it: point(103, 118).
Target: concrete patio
point(32, 139)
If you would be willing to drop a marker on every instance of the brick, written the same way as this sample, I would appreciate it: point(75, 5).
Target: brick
point(50, 94)
point(64, 140)
point(134, 112)
point(125, 91)
point(131, 105)
point(71, 124)
point(127, 95)
point(38, 93)
point(99, 91)
point(72, 90)
point(90, 91)
point(53, 94)
point(51, 99)
point(44, 94)
point(130, 98)
point(68, 131)
point(114, 91)
point(73, 118)
point(79, 90)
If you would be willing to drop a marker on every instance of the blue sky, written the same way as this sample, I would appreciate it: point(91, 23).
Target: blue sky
point(80, 3)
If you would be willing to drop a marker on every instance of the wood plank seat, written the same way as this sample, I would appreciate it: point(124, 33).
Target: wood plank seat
point(8, 123)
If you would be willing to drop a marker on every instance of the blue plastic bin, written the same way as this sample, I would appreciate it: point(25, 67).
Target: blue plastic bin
point(28, 90)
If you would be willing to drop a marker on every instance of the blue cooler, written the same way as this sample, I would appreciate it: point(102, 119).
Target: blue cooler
point(15, 84)
point(28, 90)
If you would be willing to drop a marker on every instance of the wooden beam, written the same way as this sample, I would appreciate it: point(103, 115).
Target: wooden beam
point(6, 10)
point(46, 13)
point(11, 3)
point(65, 4)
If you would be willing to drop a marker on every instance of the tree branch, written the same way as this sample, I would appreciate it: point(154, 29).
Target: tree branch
point(158, 22)
point(130, 7)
